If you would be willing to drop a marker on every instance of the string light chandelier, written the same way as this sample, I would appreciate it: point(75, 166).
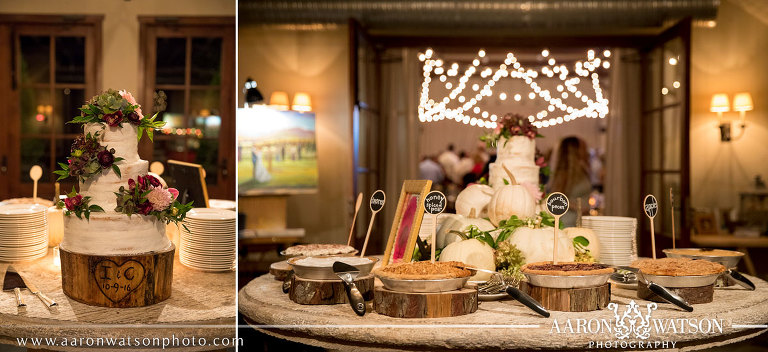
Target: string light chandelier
point(463, 108)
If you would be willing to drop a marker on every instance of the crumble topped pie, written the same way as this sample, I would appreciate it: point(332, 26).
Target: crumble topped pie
point(425, 270)
point(678, 267)
point(566, 269)
point(313, 250)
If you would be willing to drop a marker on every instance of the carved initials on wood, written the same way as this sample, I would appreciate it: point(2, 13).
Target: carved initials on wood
point(117, 281)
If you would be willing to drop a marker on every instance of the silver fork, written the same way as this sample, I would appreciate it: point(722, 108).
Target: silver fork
point(494, 285)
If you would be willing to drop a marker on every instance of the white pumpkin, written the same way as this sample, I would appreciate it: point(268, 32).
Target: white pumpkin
point(476, 197)
point(594, 242)
point(455, 222)
point(471, 252)
point(537, 244)
point(511, 199)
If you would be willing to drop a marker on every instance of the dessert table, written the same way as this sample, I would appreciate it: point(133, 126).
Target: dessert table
point(502, 324)
point(202, 305)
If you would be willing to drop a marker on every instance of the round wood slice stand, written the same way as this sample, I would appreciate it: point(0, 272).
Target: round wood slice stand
point(570, 299)
point(424, 305)
point(280, 270)
point(119, 281)
point(308, 291)
point(692, 295)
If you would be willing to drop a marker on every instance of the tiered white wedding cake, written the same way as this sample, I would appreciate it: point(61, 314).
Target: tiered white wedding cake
point(518, 154)
point(110, 232)
point(114, 252)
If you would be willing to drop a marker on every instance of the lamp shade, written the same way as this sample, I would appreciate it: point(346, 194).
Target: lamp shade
point(720, 103)
point(302, 102)
point(742, 102)
point(279, 100)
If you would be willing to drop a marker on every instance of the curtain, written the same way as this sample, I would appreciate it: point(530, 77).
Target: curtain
point(400, 87)
point(622, 169)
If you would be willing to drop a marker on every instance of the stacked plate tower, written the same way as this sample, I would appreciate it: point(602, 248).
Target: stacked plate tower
point(23, 232)
point(209, 240)
point(618, 244)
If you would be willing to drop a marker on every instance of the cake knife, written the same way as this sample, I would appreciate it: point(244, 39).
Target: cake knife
point(32, 288)
point(14, 282)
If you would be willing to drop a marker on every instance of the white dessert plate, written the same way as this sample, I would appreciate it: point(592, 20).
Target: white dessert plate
point(211, 214)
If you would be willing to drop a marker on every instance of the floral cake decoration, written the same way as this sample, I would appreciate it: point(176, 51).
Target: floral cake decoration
point(114, 108)
point(88, 158)
point(78, 205)
point(146, 196)
point(511, 125)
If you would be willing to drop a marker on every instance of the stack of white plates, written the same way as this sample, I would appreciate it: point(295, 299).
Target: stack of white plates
point(222, 204)
point(23, 232)
point(617, 238)
point(209, 239)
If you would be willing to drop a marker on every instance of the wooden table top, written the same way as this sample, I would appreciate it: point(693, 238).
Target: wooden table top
point(499, 324)
point(202, 305)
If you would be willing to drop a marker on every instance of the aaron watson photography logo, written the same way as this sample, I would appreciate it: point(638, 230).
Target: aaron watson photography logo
point(635, 327)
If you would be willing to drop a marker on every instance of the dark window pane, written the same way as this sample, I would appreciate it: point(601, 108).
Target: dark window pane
point(206, 152)
point(70, 59)
point(171, 60)
point(206, 61)
point(35, 59)
point(36, 111)
point(68, 103)
point(171, 110)
point(204, 108)
point(35, 151)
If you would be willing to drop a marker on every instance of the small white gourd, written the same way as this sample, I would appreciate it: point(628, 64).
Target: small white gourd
point(536, 244)
point(476, 197)
point(455, 222)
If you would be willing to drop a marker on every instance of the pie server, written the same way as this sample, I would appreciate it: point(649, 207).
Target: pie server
point(740, 279)
point(348, 273)
point(518, 295)
point(661, 291)
point(14, 282)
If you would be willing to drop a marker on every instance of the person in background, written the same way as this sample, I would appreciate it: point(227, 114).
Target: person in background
point(463, 167)
point(571, 175)
point(448, 160)
point(429, 169)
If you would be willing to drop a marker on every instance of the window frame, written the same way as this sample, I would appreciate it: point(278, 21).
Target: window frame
point(152, 27)
point(11, 26)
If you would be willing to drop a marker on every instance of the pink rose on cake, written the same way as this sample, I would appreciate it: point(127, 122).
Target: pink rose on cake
point(136, 116)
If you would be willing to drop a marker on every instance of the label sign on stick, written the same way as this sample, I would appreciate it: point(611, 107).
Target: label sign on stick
point(651, 206)
point(377, 200)
point(435, 202)
point(557, 204)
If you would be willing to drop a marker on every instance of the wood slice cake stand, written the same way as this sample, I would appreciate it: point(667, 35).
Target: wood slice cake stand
point(309, 291)
point(424, 305)
point(692, 295)
point(280, 270)
point(583, 299)
point(118, 281)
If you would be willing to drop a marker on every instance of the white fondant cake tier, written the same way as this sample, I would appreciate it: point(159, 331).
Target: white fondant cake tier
point(523, 172)
point(101, 188)
point(123, 139)
point(516, 147)
point(113, 233)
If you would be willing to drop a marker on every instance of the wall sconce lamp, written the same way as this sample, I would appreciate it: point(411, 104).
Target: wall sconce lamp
point(302, 102)
point(742, 102)
point(279, 100)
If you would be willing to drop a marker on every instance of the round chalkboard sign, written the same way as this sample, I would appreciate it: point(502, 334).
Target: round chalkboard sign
point(435, 202)
point(557, 204)
point(377, 200)
point(650, 205)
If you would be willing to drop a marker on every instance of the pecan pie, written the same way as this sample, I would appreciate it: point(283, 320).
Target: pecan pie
point(678, 267)
point(424, 271)
point(566, 269)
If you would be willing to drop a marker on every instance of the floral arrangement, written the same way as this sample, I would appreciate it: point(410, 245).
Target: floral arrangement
point(115, 108)
point(146, 196)
point(78, 205)
point(511, 125)
point(88, 158)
